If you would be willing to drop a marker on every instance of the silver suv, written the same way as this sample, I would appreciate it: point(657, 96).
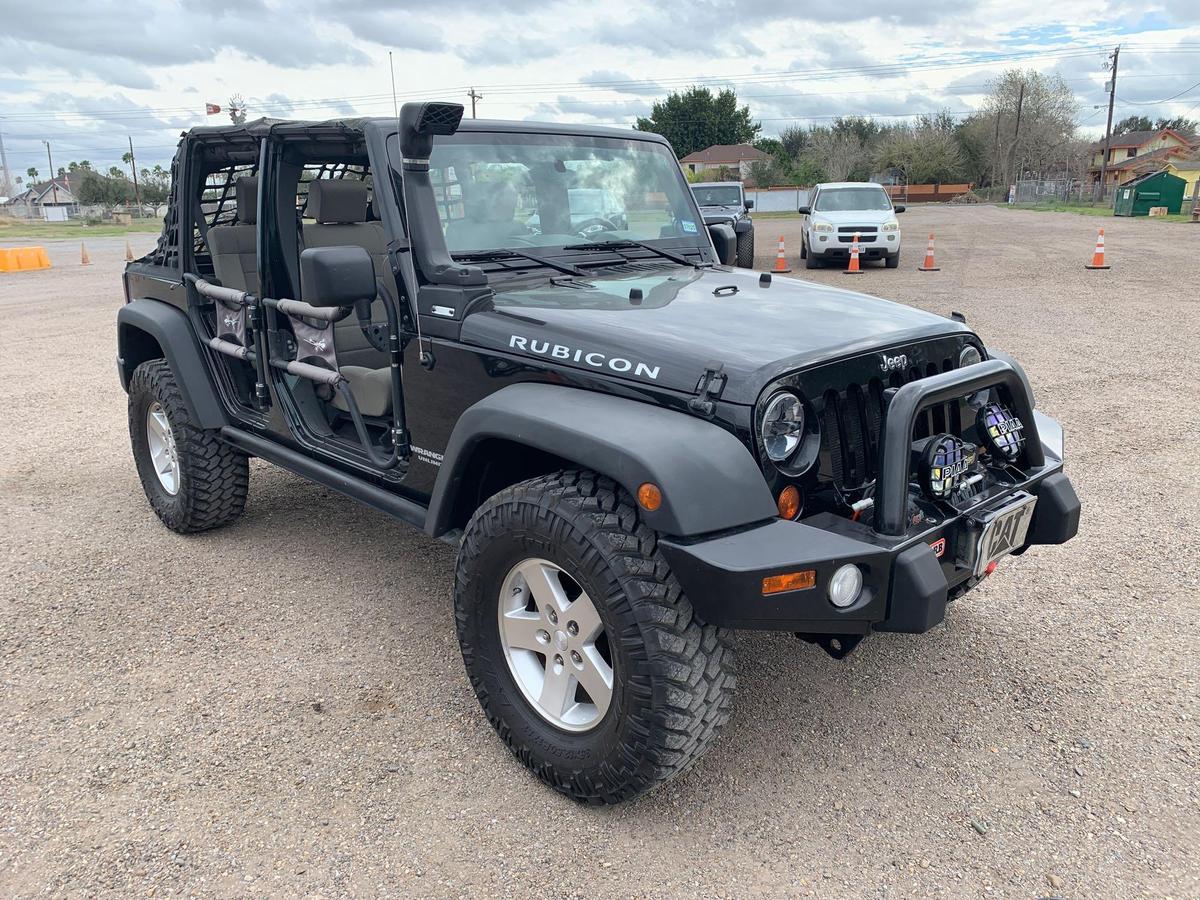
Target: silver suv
point(838, 211)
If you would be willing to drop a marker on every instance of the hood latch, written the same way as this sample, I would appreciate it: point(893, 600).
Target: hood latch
point(708, 389)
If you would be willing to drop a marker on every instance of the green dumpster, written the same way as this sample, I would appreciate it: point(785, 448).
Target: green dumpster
point(1135, 198)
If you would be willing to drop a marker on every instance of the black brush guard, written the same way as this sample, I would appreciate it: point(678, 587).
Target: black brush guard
point(906, 583)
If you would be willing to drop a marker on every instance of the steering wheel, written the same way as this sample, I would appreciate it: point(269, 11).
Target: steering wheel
point(592, 227)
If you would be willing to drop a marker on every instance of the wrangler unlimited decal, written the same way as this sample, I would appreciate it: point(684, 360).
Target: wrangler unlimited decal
point(591, 358)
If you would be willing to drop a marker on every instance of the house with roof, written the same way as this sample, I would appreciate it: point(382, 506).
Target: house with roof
point(51, 199)
point(1135, 153)
point(738, 157)
point(1189, 171)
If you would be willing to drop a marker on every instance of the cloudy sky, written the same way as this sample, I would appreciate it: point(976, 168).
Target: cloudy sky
point(88, 76)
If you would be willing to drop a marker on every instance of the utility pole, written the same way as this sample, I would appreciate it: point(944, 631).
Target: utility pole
point(137, 194)
point(474, 96)
point(996, 153)
point(53, 183)
point(1112, 96)
point(6, 183)
point(1012, 165)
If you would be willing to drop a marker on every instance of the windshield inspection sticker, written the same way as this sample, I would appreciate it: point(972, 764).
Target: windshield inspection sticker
point(689, 227)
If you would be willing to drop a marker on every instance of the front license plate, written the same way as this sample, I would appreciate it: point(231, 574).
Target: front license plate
point(1003, 530)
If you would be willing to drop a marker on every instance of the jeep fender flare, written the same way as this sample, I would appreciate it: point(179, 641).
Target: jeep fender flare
point(170, 328)
point(709, 480)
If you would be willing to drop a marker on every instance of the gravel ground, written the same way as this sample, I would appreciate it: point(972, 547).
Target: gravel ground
point(265, 711)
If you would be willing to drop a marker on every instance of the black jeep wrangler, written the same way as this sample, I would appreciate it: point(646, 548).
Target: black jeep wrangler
point(725, 203)
point(633, 447)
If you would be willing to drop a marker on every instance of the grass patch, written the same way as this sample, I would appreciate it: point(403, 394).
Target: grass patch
point(755, 214)
point(72, 230)
point(1082, 209)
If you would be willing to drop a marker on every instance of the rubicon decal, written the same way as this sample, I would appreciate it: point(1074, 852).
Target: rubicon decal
point(593, 358)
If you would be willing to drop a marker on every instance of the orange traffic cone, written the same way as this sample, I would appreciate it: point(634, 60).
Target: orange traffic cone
point(929, 265)
point(128, 252)
point(84, 259)
point(781, 265)
point(853, 268)
point(1098, 257)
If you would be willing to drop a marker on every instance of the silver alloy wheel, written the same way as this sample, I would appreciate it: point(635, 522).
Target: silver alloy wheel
point(161, 442)
point(555, 645)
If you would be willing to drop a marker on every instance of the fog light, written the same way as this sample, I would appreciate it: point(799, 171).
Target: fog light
point(845, 586)
point(1003, 431)
point(947, 461)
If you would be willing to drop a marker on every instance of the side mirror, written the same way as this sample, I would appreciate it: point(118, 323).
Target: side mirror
point(724, 242)
point(336, 276)
point(898, 208)
point(749, 205)
point(805, 210)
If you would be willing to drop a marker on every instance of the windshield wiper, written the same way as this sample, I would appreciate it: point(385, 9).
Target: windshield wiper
point(628, 244)
point(485, 255)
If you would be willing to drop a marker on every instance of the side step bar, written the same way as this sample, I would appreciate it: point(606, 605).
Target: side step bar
point(335, 479)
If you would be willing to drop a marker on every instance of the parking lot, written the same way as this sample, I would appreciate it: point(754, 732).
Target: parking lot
point(280, 707)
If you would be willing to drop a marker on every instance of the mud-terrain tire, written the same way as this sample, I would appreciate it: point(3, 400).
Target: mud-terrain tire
point(193, 480)
point(672, 677)
point(745, 249)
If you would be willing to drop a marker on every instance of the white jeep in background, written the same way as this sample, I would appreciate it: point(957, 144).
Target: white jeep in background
point(839, 210)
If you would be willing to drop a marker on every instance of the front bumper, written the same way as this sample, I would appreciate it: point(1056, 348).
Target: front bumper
point(910, 569)
point(870, 246)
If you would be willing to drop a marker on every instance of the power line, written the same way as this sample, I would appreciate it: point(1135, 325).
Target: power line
point(1156, 102)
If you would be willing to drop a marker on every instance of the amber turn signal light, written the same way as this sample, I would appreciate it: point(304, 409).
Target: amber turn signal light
point(649, 497)
point(789, 502)
point(790, 581)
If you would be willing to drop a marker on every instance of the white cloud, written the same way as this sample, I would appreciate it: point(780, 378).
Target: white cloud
point(96, 72)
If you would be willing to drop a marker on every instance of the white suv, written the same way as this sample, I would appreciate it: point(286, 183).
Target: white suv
point(837, 211)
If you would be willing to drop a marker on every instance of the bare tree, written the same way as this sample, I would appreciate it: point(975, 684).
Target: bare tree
point(1046, 107)
point(838, 152)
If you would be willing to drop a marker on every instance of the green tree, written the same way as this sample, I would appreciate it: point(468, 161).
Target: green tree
point(155, 184)
point(697, 118)
point(1185, 127)
point(32, 173)
point(1133, 123)
point(927, 152)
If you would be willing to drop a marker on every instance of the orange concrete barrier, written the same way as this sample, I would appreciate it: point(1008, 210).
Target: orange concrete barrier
point(23, 259)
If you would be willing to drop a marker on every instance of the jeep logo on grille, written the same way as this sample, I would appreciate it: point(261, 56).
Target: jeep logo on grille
point(891, 363)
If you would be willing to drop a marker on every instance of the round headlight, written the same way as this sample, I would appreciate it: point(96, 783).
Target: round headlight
point(783, 426)
point(1002, 431)
point(845, 585)
point(947, 462)
point(969, 355)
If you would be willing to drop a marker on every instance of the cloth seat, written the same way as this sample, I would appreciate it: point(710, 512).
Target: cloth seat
point(489, 208)
point(234, 247)
point(339, 207)
point(372, 390)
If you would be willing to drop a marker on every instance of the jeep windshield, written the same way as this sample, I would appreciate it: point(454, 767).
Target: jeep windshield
point(553, 193)
point(852, 199)
point(718, 196)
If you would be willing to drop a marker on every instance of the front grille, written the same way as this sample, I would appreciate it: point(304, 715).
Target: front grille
point(851, 423)
point(861, 229)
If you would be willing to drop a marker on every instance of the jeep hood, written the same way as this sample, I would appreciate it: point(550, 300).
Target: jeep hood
point(691, 319)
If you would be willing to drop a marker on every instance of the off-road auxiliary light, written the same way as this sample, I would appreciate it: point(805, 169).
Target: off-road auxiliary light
point(945, 463)
point(845, 586)
point(1003, 432)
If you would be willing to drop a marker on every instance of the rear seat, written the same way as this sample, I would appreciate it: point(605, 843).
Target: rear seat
point(234, 247)
point(339, 207)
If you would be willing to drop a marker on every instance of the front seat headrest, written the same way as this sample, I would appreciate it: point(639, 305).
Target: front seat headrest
point(245, 192)
point(340, 201)
point(490, 201)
